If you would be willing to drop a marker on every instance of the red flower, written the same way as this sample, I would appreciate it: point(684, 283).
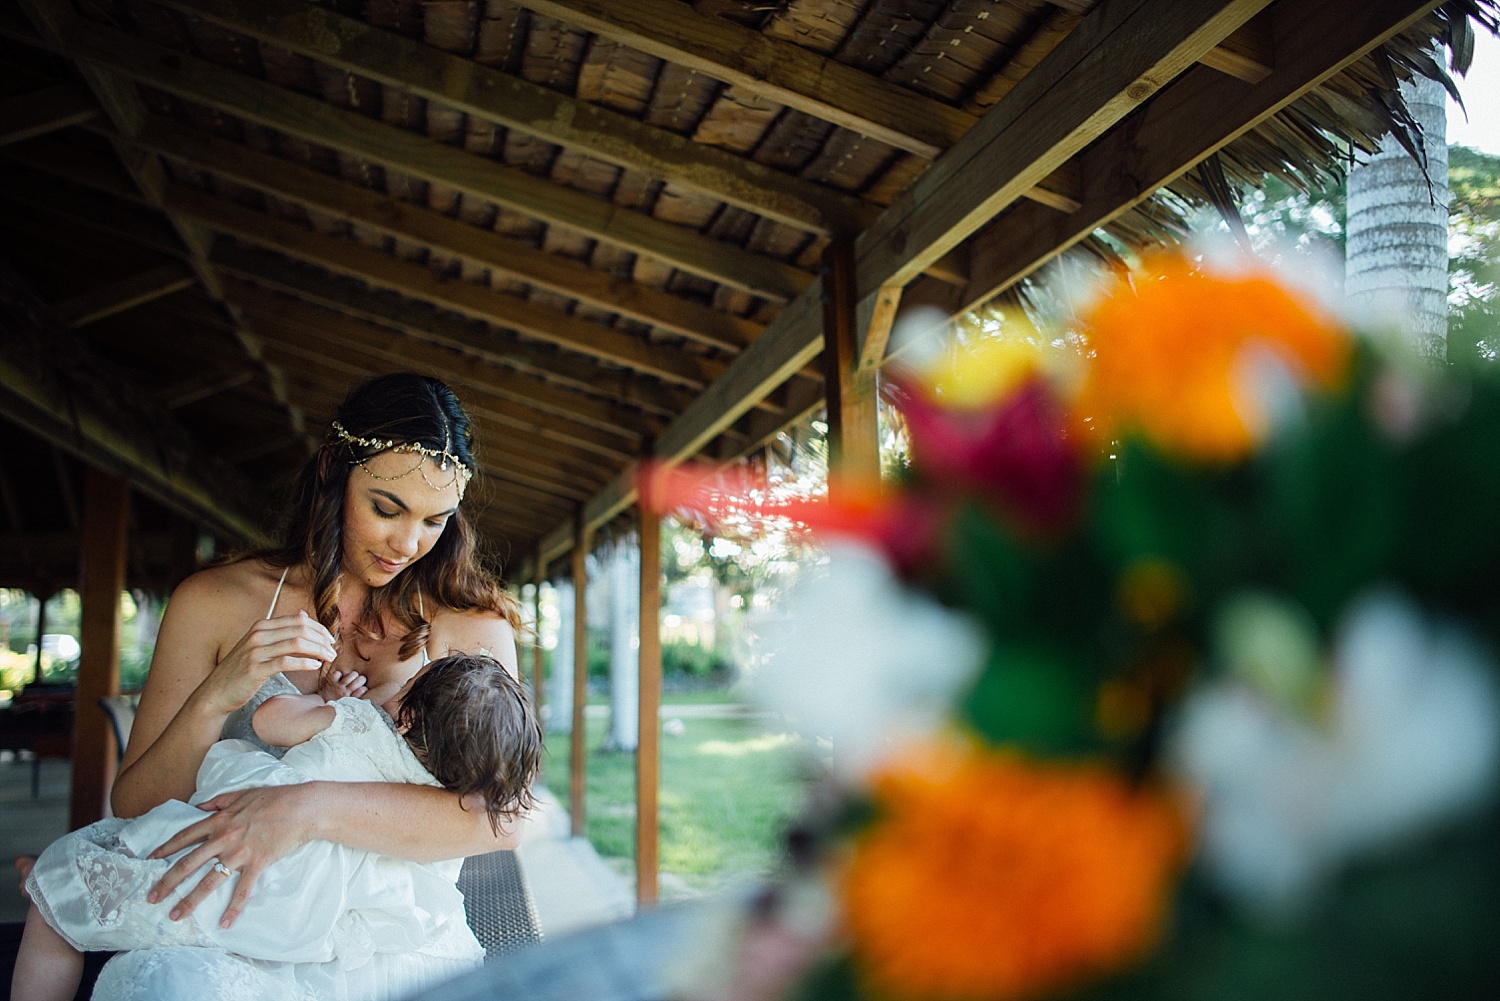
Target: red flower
point(1015, 453)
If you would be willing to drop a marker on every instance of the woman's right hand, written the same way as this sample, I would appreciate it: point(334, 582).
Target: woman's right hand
point(284, 643)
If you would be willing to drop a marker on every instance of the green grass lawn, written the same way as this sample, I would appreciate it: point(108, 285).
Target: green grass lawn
point(728, 789)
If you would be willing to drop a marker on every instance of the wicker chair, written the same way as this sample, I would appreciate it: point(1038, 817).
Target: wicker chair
point(498, 903)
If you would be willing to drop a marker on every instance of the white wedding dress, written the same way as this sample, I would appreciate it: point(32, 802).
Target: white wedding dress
point(326, 923)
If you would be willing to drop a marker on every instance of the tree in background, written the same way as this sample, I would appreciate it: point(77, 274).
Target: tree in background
point(1474, 267)
point(1396, 249)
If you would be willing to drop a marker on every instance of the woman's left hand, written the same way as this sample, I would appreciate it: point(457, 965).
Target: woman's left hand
point(246, 831)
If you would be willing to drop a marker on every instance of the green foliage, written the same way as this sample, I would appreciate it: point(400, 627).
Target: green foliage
point(1474, 268)
point(729, 788)
point(691, 660)
point(678, 658)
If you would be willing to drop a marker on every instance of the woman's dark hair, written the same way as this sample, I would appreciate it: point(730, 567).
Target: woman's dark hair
point(473, 727)
point(404, 408)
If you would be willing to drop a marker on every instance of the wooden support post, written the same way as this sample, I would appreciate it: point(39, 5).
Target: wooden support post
point(41, 630)
point(853, 417)
point(536, 649)
point(105, 527)
point(581, 538)
point(648, 744)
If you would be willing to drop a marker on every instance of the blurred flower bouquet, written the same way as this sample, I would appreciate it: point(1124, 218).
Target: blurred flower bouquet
point(1165, 671)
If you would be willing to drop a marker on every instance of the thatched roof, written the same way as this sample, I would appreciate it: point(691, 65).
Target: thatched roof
point(603, 222)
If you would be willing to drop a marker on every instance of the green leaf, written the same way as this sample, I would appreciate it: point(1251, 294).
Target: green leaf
point(1030, 696)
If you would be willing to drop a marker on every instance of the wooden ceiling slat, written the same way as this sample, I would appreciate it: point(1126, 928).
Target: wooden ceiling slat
point(513, 258)
point(86, 214)
point(349, 131)
point(615, 447)
point(538, 439)
point(107, 300)
point(777, 71)
point(1116, 58)
point(516, 103)
point(423, 321)
point(54, 21)
point(450, 366)
point(1195, 116)
point(347, 258)
point(74, 163)
point(201, 386)
point(43, 111)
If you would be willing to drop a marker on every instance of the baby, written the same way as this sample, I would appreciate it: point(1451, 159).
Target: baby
point(462, 722)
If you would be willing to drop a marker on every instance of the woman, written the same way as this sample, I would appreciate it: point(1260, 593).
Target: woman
point(376, 575)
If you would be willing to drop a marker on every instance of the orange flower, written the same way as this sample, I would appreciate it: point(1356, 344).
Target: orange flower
point(1175, 355)
point(992, 877)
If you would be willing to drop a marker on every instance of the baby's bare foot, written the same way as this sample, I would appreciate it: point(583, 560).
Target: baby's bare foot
point(24, 865)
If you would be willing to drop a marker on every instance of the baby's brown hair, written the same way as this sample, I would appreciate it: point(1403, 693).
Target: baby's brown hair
point(473, 726)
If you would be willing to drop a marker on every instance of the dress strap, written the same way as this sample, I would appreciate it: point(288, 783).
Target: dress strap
point(277, 596)
point(422, 612)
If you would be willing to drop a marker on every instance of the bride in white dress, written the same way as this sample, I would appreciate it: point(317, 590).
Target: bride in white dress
point(324, 903)
point(375, 532)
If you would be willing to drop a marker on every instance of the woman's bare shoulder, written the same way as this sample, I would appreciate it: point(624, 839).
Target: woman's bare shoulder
point(470, 631)
point(228, 587)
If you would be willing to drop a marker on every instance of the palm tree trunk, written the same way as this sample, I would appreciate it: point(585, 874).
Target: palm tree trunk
point(1396, 256)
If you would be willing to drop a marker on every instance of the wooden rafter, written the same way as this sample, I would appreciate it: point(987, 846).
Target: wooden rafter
point(777, 71)
point(85, 214)
point(473, 88)
point(53, 22)
point(1197, 115)
point(348, 258)
point(1115, 59)
point(44, 111)
point(450, 366)
point(603, 444)
point(576, 450)
point(254, 100)
point(85, 167)
point(127, 293)
point(422, 320)
point(202, 386)
point(506, 256)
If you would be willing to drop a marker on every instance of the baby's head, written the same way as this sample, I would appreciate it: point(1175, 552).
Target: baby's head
point(472, 725)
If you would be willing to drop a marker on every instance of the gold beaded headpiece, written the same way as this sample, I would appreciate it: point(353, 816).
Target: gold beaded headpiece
point(440, 456)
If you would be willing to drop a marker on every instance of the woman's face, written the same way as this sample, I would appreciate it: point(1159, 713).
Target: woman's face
point(394, 514)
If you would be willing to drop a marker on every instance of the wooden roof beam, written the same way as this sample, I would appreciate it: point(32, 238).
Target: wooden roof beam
point(541, 441)
point(200, 387)
point(345, 257)
point(127, 293)
point(54, 22)
point(445, 363)
point(76, 164)
point(778, 71)
point(425, 322)
point(84, 212)
point(34, 396)
point(475, 89)
point(1246, 54)
point(1115, 59)
point(597, 444)
point(545, 462)
point(404, 220)
point(44, 111)
point(229, 91)
point(1197, 115)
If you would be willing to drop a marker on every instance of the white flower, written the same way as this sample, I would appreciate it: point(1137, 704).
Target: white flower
point(1411, 739)
point(864, 660)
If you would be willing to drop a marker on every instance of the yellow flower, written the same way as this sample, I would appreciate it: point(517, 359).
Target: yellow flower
point(988, 877)
point(1174, 355)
